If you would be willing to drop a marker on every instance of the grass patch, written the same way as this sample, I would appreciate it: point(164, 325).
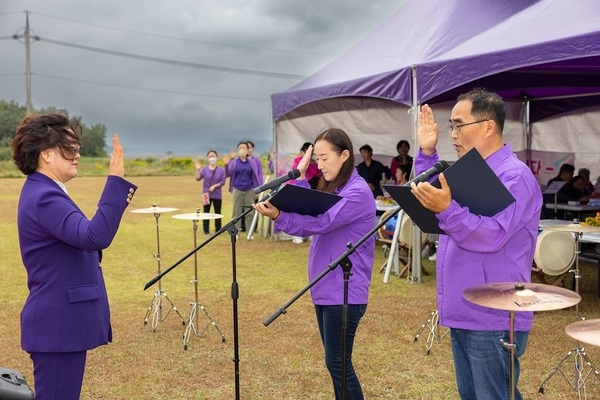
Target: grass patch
point(281, 361)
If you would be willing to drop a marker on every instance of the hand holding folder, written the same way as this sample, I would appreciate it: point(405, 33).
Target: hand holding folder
point(473, 184)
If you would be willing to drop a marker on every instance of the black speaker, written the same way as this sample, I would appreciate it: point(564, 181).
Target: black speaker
point(13, 385)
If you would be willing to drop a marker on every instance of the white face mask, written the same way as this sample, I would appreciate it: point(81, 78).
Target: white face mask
point(212, 160)
point(242, 152)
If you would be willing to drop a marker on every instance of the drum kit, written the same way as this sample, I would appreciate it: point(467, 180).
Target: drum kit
point(156, 306)
point(514, 297)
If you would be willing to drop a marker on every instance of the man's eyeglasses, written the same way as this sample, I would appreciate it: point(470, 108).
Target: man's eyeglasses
point(456, 127)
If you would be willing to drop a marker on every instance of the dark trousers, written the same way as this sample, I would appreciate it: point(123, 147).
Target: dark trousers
point(329, 319)
point(58, 376)
point(216, 203)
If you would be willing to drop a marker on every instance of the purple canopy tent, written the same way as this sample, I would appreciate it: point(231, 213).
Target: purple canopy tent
point(543, 55)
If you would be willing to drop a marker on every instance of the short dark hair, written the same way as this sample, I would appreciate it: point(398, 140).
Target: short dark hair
point(566, 168)
point(250, 142)
point(400, 143)
point(339, 140)
point(244, 142)
point(212, 151)
point(39, 132)
point(486, 105)
point(367, 148)
point(305, 146)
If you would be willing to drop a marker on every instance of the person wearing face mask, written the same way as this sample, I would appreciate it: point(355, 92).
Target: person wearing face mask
point(214, 178)
point(243, 176)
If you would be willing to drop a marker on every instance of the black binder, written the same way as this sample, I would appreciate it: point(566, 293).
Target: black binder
point(300, 200)
point(473, 185)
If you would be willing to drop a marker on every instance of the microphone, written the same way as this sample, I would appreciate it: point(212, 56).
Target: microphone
point(438, 167)
point(293, 174)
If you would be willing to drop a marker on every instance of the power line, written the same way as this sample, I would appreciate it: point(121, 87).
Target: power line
point(152, 90)
point(179, 38)
point(179, 63)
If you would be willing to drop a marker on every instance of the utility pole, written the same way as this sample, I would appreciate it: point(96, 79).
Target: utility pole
point(27, 36)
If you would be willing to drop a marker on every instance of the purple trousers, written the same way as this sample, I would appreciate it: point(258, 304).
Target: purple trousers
point(58, 376)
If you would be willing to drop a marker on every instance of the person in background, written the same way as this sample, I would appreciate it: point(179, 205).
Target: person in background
point(588, 187)
point(402, 158)
point(477, 249)
point(258, 163)
point(66, 312)
point(312, 176)
point(402, 174)
point(372, 171)
point(214, 178)
point(347, 221)
point(312, 172)
point(574, 190)
point(565, 174)
point(243, 176)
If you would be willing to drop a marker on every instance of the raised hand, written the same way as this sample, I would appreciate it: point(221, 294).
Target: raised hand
point(305, 162)
point(428, 132)
point(117, 158)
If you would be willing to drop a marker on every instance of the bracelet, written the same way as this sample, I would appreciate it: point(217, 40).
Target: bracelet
point(275, 219)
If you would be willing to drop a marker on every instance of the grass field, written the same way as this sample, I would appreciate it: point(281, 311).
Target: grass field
point(281, 361)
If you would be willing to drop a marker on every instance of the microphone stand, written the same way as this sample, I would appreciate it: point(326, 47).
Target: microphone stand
point(346, 264)
point(233, 231)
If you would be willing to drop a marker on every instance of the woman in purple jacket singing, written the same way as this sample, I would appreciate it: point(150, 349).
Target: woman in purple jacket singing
point(347, 221)
point(66, 313)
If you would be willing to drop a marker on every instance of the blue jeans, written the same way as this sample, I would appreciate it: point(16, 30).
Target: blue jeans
point(482, 363)
point(329, 319)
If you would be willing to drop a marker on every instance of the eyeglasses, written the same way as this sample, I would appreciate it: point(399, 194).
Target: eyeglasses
point(456, 127)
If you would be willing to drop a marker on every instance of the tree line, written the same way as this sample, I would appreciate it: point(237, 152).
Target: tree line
point(11, 114)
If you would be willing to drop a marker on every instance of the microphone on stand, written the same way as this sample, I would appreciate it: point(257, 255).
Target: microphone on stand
point(293, 174)
point(438, 167)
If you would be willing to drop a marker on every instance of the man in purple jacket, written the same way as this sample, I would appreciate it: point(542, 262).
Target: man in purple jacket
point(66, 312)
point(478, 249)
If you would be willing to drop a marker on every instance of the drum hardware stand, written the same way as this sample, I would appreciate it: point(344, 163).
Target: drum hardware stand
point(433, 325)
point(233, 232)
point(193, 320)
point(581, 359)
point(156, 306)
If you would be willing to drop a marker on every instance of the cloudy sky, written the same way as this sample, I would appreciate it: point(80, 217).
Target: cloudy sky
point(178, 76)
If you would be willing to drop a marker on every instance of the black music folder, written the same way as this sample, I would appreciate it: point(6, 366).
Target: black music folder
point(301, 200)
point(473, 184)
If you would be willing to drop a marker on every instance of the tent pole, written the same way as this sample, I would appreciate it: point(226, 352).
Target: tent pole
point(527, 129)
point(416, 239)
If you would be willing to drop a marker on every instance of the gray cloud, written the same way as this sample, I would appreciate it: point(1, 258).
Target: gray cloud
point(158, 107)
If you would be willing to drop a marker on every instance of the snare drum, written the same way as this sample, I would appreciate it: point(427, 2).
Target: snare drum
point(554, 252)
point(406, 233)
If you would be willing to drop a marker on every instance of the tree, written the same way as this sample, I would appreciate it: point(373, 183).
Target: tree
point(10, 116)
point(94, 141)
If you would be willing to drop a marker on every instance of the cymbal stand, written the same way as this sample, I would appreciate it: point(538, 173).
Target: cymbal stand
point(433, 325)
point(192, 324)
point(580, 356)
point(156, 306)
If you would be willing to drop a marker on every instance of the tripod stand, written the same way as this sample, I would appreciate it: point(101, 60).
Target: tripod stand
point(192, 325)
point(156, 305)
point(433, 324)
point(580, 357)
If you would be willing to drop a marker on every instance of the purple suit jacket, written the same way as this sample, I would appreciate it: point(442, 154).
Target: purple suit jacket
point(67, 307)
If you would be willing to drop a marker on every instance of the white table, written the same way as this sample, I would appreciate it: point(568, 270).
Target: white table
point(577, 209)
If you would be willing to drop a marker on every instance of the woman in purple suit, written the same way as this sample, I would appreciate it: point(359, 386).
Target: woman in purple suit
point(66, 312)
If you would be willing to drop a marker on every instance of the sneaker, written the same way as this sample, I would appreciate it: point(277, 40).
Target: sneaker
point(297, 240)
point(433, 257)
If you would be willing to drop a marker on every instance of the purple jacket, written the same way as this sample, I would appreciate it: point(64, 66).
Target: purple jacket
point(212, 177)
point(67, 307)
point(257, 178)
point(478, 250)
point(347, 221)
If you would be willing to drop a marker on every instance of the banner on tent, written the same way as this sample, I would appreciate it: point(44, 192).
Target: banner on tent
point(545, 164)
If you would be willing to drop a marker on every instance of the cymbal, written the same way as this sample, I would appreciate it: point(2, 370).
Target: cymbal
point(154, 210)
point(571, 228)
point(197, 216)
point(587, 331)
point(520, 296)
